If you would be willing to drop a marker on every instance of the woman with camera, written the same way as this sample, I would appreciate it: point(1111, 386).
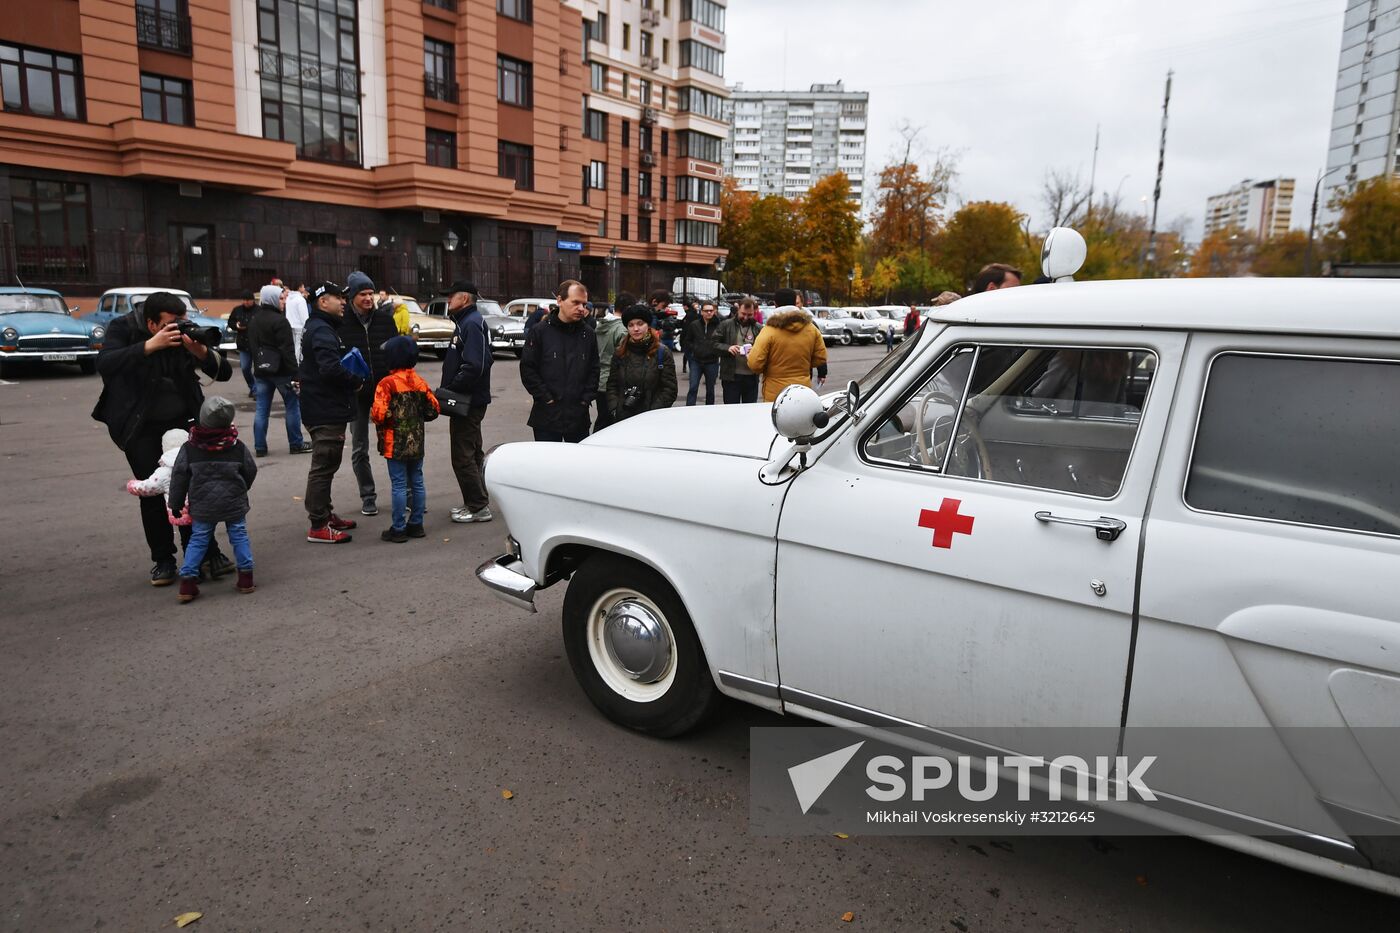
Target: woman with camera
point(643, 374)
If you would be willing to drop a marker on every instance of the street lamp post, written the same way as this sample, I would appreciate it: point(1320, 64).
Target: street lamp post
point(449, 243)
point(850, 284)
point(720, 262)
point(787, 267)
point(612, 266)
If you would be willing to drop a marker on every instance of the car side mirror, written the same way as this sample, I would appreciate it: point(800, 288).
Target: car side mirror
point(852, 398)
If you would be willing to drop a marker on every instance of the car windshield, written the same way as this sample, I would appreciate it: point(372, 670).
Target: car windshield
point(49, 304)
point(485, 307)
point(138, 300)
point(889, 364)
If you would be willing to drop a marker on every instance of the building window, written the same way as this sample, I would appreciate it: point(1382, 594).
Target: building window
point(308, 62)
point(517, 162)
point(164, 25)
point(439, 71)
point(515, 9)
point(513, 82)
point(45, 84)
point(644, 91)
point(442, 148)
point(595, 125)
point(696, 233)
point(626, 86)
point(644, 137)
point(698, 190)
point(597, 175)
point(665, 51)
point(626, 37)
point(661, 227)
point(644, 184)
point(596, 29)
point(664, 182)
point(53, 225)
point(665, 142)
point(699, 55)
point(704, 12)
point(699, 145)
point(626, 181)
point(623, 233)
point(626, 133)
point(644, 229)
point(644, 45)
point(694, 100)
point(598, 77)
point(450, 5)
point(166, 100)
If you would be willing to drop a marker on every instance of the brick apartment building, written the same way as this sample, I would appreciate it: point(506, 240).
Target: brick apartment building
point(210, 144)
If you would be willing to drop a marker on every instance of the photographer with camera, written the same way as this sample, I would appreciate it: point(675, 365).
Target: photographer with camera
point(643, 374)
point(150, 365)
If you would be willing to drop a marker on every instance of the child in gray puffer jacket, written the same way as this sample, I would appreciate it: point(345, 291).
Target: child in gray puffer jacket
point(214, 470)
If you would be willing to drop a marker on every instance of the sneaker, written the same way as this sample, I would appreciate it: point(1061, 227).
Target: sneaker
point(245, 581)
point(415, 531)
point(326, 535)
point(303, 449)
point(369, 508)
point(457, 510)
point(480, 515)
point(341, 524)
point(260, 453)
point(189, 589)
point(217, 565)
point(163, 573)
point(389, 534)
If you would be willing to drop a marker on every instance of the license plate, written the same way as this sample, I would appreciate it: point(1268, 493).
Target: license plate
point(60, 357)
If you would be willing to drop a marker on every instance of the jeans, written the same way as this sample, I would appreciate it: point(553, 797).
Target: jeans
point(327, 449)
point(711, 372)
point(359, 450)
point(402, 475)
point(741, 390)
point(468, 458)
point(245, 361)
point(265, 388)
point(202, 535)
point(557, 437)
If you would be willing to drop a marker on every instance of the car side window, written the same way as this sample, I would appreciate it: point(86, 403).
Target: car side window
point(123, 305)
point(105, 303)
point(1059, 418)
point(1303, 440)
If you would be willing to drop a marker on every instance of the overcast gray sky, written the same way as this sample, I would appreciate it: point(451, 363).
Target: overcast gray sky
point(1017, 88)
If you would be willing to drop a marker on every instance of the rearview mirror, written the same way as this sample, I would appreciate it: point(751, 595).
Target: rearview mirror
point(798, 413)
point(852, 398)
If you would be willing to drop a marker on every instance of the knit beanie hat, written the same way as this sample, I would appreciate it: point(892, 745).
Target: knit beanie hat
point(357, 283)
point(401, 352)
point(216, 412)
point(636, 313)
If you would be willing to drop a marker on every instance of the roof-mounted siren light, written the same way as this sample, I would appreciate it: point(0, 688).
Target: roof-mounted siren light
point(1063, 254)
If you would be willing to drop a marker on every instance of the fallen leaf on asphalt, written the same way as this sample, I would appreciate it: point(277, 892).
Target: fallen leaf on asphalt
point(507, 794)
point(296, 498)
point(445, 540)
point(186, 919)
point(841, 835)
point(848, 916)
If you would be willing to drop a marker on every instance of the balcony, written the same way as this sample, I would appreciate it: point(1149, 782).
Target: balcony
point(168, 32)
point(291, 69)
point(440, 88)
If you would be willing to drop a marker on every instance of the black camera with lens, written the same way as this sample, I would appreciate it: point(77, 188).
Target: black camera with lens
point(632, 399)
point(209, 336)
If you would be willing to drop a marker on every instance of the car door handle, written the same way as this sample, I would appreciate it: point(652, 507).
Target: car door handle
point(1105, 528)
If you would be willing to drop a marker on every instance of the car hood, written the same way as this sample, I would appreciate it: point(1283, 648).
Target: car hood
point(39, 323)
point(726, 430)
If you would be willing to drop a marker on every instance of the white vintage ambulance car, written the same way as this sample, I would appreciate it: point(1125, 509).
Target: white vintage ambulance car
point(1122, 505)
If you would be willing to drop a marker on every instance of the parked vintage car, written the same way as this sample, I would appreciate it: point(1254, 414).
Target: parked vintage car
point(118, 301)
point(430, 332)
point(507, 333)
point(838, 326)
point(1118, 505)
point(524, 307)
point(894, 314)
point(36, 326)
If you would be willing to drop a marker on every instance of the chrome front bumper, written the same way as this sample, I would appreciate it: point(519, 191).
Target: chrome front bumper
point(502, 575)
point(60, 356)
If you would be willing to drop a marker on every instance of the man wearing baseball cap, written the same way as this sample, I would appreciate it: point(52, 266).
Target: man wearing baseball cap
point(327, 406)
point(368, 326)
point(467, 370)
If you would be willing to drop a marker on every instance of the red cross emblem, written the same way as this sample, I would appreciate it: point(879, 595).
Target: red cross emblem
point(946, 522)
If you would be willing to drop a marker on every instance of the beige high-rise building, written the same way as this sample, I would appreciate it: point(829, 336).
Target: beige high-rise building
point(1263, 209)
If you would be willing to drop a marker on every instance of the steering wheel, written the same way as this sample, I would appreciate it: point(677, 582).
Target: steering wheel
point(928, 451)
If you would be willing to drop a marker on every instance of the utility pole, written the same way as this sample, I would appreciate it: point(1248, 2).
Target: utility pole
point(1093, 172)
point(1312, 227)
point(1149, 254)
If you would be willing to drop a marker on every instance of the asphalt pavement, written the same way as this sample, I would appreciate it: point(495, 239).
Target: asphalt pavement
point(332, 752)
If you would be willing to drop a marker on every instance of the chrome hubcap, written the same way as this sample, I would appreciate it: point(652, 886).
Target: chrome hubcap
point(637, 641)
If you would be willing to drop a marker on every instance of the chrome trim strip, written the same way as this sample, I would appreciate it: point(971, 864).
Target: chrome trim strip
point(760, 688)
point(499, 574)
point(40, 354)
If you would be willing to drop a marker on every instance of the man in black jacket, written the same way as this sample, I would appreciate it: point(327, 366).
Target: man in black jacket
point(238, 320)
point(367, 325)
point(703, 345)
point(559, 368)
point(275, 365)
point(327, 405)
point(150, 385)
point(467, 370)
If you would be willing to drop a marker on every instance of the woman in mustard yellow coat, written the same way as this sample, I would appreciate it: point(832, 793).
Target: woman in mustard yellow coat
point(787, 350)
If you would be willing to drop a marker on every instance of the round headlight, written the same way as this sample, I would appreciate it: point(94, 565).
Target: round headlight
point(498, 331)
point(414, 329)
point(9, 334)
point(99, 332)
